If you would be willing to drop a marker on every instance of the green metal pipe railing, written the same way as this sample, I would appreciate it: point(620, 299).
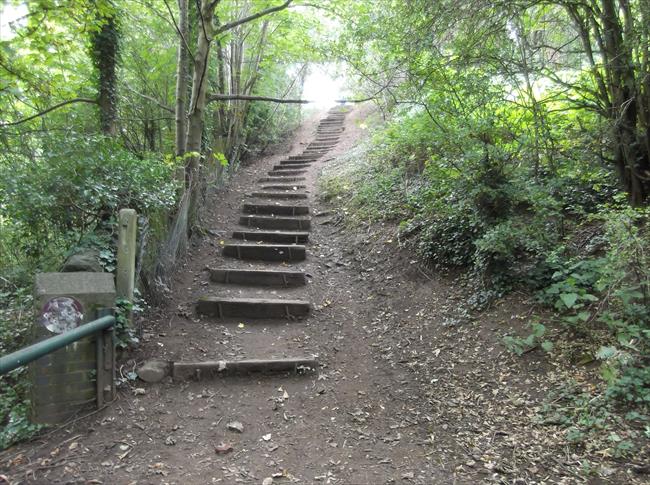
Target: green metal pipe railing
point(36, 351)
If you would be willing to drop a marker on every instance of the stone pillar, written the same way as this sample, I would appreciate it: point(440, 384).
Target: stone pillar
point(65, 381)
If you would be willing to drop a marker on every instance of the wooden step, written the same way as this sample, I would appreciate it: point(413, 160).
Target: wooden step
point(262, 277)
point(303, 158)
point(182, 371)
point(294, 162)
point(279, 195)
point(283, 187)
point(286, 173)
point(272, 209)
point(265, 252)
point(273, 222)
point(295, 166)
point(273, 237)
point(285, 179)
point(254, 308)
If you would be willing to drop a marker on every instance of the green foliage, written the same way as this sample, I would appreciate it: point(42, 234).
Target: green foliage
point(480, 211)
point(50, 202)
point(632, 385)
point(267, 124)
point(125, 333)
point(520, 345)
point(589, 419)
point(604, 298)
point(15, 323)
point(482, 176)
point(15, 409)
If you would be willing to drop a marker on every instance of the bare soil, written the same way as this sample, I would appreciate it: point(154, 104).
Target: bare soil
point(411, 389)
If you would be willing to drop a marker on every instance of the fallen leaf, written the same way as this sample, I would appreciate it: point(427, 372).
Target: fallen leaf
point(235, 426)
point(223, 448)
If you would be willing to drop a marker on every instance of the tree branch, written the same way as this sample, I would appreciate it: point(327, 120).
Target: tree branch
point(250, 18)
point(51, 108)
point(242, 97)
point(178, 30)
point(160, 104)
point(364, 100)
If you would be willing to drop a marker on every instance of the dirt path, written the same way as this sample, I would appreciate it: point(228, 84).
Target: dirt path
point(409, 390)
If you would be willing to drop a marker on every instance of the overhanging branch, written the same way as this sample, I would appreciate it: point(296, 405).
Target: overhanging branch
point(364, 100)
point(48, 110)
point(236, 23)
point(242, 97)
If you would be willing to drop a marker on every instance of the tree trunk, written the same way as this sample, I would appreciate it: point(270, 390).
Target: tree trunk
point(104, 52)
point(196, 115)
point(631, 161)
point(220, 131)
point(181, 78)
point(199, 85)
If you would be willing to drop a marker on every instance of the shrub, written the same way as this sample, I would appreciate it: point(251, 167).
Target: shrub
point(65, 195)
point(49, 202)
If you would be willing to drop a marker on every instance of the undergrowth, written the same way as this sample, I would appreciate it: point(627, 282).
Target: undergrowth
point(560, 231)
point(63, 197)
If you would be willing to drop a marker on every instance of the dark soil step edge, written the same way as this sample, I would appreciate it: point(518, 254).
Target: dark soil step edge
point(279, 195)
point(295, 162)
point(255, 308)
point(266, 222)
point(302, 159)
point(286, 173)
point(285, 179)
point(282, 187)
point(272, 209)
point(296, 166)
point(272, 237)
point(182, 371)
point(261, 252)
point(263, 277)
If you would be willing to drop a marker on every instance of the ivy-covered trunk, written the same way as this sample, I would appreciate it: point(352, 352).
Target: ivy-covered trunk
point(104, 52)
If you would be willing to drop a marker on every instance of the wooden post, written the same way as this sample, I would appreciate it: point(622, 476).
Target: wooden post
point(105, 345)
point(126, 249)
